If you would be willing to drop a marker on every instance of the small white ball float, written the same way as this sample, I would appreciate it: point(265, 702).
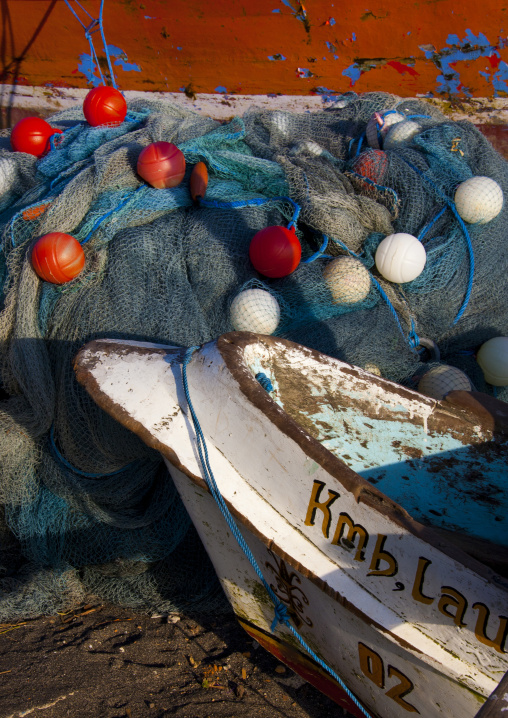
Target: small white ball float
point(400, 258)
point(255, 310)
point(478, 200)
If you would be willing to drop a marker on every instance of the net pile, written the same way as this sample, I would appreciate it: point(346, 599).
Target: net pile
point(86, 507)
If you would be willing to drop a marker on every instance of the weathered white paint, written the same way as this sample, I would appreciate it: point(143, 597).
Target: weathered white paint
point(40, 100)
point(268, 478)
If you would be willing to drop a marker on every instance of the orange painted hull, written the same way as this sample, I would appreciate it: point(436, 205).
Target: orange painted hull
point(446, 48)
point(303, 666)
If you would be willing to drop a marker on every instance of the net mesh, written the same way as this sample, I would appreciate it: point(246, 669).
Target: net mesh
point(87, 508)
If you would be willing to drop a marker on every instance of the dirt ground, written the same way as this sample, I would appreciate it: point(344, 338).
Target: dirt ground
point(105, 662)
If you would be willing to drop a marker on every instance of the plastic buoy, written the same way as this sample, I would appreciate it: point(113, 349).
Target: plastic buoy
point(198, 181)
point(275, 251)
point(478, 200)
point(31, 135)
point(162, 165)
point(104, 106)
point(400, 257)
point(493, 360)
point(255, 310)
point(347, 279)
point(58, 257)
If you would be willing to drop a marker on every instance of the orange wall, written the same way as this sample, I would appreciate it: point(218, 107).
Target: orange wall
point(444, 47)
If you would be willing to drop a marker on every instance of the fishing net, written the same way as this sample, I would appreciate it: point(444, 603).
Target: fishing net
point(87, 508)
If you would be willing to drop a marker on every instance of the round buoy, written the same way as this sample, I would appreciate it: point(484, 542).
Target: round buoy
point(275, 251)
point(400, 258)
point(478, 200)
point(493, 360)
point(58, 257)
point(440, 380)
point(31, 135)
point(371, 164)
point(104, 106)
point(347, 279)
point(378, 126)
point(400, 133)
point(255, 310)
point(162, 165)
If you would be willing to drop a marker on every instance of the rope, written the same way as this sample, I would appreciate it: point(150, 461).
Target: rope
point(119, 206)
point(62, 460)
point(264, 381)
point(451, 205)
point(95, 25)
point(412, 337)
point(255, 202)
point(281, 614)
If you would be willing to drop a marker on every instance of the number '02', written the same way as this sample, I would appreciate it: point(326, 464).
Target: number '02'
point(371, 665)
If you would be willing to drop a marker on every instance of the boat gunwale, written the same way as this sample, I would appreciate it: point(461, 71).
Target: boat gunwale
point(83, 371)
point(231, 347)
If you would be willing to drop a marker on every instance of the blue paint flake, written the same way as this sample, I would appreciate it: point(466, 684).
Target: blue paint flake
point(304, 72)
point(122, 59)
point(353, 72)
point(221, 89)
point(470, 48)
point(354, 37)
point(288, 4)
point(88, 67)
point(332, 20)
point(277, 10)
point(277, 57)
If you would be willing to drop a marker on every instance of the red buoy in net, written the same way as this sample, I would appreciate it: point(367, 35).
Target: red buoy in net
point(198, 181)
point(104, 106)
point(162, 165)
point(58, 257)
point(275, 251)
point(31, 135)
point(371, 164)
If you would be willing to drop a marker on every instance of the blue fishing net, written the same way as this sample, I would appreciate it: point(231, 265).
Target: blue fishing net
point(87, 508)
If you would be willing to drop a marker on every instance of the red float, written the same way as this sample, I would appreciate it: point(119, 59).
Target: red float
point(58, 257)
point(162, 165)
point(371, 164)
point(198, 181)
point(275, 251)
point(104, 106)
point(31, 135)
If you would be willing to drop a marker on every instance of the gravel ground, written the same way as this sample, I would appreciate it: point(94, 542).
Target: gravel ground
point(105, 662)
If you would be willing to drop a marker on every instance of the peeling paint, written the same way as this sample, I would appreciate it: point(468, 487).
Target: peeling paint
point(276, 57)
point(90, 70)
point(402, 68)
point(470, 48)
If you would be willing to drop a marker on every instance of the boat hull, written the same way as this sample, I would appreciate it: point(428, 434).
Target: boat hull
point(407, 621)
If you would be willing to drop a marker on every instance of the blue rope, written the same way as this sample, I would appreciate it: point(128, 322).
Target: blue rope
point(429, 225)
point(104, 44)
point(393, 311)
point(281, 614)
point(264, 381)
point(74, 470)
point(255, 202)
point(451, 205)
point(413, 336)
point(319, 253)
point(95, 25)
point(122, 204)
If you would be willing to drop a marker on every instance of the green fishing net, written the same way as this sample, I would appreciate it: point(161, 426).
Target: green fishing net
point(87, 508)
